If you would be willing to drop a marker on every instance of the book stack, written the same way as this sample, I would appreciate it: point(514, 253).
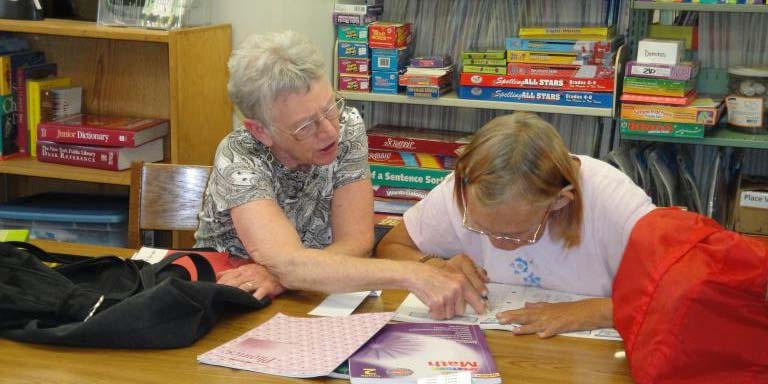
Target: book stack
point(28, 79)
point(8, 137)
point(567, 66)
point(103, 142)
point(357, 12)
point(406, 163)
point(353, 54)
point(491, 62)
point(15, 136)
point(659, 96)
point(390, 50)
point(33, 114)
point(428, 76)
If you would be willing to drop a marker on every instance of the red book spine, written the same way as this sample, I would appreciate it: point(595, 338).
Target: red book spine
point(81, 156)
point(85, 135)
point(391, 143)
point(22, 131)
point(559, 83)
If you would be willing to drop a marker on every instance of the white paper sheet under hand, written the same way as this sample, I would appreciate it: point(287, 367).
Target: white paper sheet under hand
point(342, 304)
point(502, 297)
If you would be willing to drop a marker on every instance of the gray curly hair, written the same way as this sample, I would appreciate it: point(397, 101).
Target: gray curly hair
point(265, 66)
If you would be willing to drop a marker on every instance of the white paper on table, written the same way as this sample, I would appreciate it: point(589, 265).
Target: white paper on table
point(150, 255)
point(342, 304)
point(464, 377)
point(501, 297)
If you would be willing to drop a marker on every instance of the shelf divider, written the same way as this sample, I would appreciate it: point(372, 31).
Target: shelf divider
point(452, 100)
point(719, 136)
point(746, 8)
point(29, 166)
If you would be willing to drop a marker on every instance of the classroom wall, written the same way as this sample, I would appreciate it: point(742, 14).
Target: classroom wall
point(311, 17)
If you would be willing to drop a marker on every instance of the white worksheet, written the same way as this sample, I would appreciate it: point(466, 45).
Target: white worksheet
point(501, 297)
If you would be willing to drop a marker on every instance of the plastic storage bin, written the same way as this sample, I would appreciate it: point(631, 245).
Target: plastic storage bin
point(747, 100)
point(74, 218)
point(155, 14)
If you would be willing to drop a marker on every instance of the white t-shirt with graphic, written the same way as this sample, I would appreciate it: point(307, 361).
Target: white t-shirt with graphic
point(612, 206)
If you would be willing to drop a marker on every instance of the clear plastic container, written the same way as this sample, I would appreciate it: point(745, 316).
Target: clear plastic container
point(101, 220)
point(747, 100)
point(154, 14)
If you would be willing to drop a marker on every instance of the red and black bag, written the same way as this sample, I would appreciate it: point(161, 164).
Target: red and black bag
point(691, 301)
point(109, 302)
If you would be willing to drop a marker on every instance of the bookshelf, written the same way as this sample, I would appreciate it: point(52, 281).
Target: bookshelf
point(710, 81)
point(718, 136)
point(700, 7)
point(452, 100)
point(179, 75)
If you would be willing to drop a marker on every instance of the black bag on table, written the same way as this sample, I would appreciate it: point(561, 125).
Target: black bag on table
point(109, 302)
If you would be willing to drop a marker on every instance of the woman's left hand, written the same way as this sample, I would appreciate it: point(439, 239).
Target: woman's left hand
point(253, 278)
point(549, 319)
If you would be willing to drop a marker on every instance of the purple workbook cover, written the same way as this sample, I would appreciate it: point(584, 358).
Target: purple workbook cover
point(405, 352)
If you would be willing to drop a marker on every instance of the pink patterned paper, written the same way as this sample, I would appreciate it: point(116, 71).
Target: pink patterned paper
point(298, 346)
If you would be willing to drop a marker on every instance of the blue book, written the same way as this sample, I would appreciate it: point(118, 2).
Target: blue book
point(587, 47)
point(539, 96)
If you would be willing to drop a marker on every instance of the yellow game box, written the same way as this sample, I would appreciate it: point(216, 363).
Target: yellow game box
point(705, 111)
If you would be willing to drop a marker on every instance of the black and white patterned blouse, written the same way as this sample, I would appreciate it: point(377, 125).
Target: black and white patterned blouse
point(244, 170)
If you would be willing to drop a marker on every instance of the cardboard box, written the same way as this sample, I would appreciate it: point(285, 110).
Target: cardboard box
point(658, 87)
point(751, 214)
point(389, 59)
point(433, 92)
point(352, 33)
point(703, 110)
point(354, 66)
point(356, 19)
point(657, 51)
point(682, 71)
point(564, 83)
point(660, 128)
point(490, 54)
point(360, 83)
point(385, 82)
point(538, 96)
point(353, 50)
point(389, 35)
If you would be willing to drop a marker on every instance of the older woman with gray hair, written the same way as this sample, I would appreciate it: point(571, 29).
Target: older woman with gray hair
point(291, 187)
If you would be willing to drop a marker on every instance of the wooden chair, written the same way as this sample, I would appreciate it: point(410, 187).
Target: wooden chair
point(165, 197)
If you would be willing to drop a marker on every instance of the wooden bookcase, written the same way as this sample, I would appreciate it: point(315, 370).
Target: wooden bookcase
point(179, 75)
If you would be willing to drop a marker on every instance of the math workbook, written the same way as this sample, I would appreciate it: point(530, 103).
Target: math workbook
point(403, 353)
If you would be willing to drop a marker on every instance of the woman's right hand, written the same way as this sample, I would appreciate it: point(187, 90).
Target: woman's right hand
point(445, 291)
point(461, 263)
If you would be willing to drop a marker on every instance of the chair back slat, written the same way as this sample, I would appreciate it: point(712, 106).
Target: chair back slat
point(166, 197)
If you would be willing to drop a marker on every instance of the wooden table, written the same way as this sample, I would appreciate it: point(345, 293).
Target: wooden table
point(520, 359)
